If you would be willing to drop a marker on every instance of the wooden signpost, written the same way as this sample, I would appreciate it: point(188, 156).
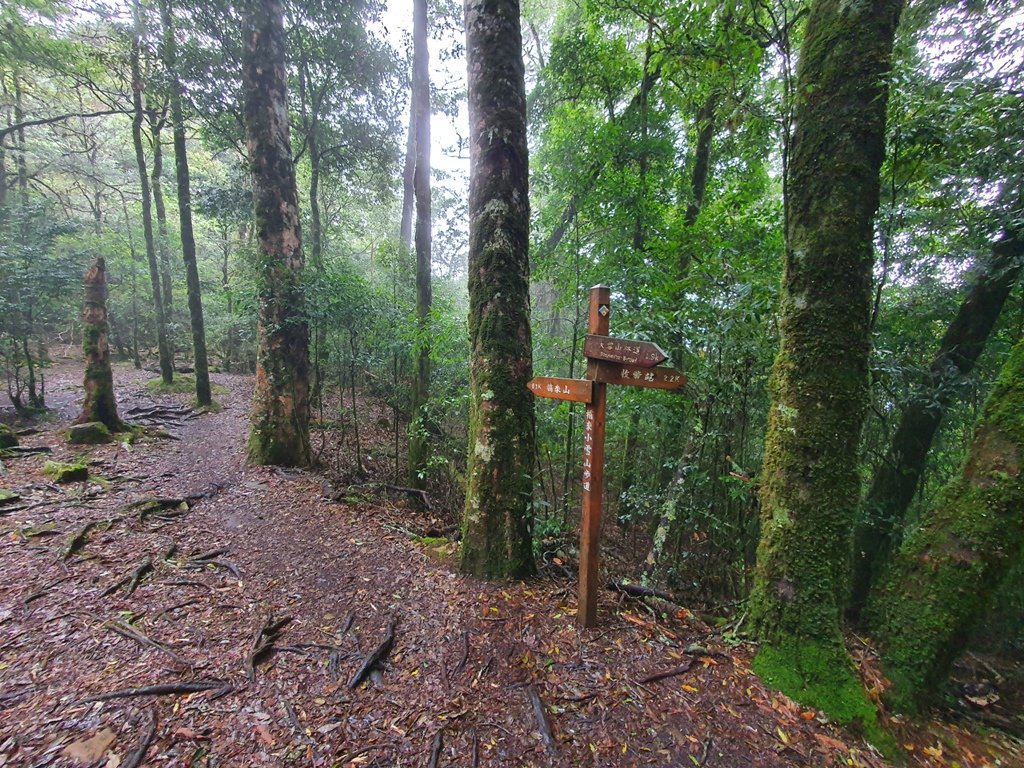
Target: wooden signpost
point(609, 361)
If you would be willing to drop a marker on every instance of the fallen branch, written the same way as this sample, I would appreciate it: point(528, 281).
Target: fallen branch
point(133, 634)
point(635, 590)
point(667, 673)
point(18, 451)
point(412, 492)
point(137, 755)
point(435, 749)
point(543, 724)
point(172, 608)
point(164, 689)
point(263, 643)
point(208, 555)
point(43, 590)
point(465, 653)
point(375, 657)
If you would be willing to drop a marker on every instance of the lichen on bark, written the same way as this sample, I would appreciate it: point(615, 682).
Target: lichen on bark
point(497, 520)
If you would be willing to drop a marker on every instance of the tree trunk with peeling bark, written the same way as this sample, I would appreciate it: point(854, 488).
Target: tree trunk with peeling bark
point(280, 410)
point(497, 521)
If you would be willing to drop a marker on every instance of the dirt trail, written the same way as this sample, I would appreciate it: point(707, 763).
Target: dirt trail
point(471, 664)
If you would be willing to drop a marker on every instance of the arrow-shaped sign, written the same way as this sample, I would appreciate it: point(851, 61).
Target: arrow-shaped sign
point(628, 351)
point(576, 390)
point(638, 376)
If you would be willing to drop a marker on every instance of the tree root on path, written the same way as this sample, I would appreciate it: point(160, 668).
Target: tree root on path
point(374, 658)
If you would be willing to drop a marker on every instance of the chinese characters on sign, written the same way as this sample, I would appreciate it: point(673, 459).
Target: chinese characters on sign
point(609, 361)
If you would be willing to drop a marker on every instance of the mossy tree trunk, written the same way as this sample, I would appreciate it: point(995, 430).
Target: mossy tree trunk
point(941, 579)
point(100, 404)
point(188, 240)
point(896, 480)
point(810, 487)
point(497, 521)
point(280, 412)
point(166, 360)
point(419, 450)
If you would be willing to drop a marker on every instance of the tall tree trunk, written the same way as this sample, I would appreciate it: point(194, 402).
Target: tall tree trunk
point(497, 520)
point(944, 574)
point(897, 478)
point(188, 240)
point(100, 404)
point(280, 411)
point(809, 484)
point(419, 451)
point(166, 361)
point(156, 126)
point(408, 172)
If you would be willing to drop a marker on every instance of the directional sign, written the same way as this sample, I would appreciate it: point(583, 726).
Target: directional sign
point(576, 390)
point(609, 361)
point(628, 351)
point(636, 376)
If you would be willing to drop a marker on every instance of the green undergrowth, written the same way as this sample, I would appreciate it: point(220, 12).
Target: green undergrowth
point(823, 677)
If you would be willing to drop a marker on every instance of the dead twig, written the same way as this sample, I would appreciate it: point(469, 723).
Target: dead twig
point(680, 670)
point(435, 749)
point(635, 590)
point(543, 724)
point(32, 596)
point(465, 654)
point(133, 634)
point(374, 658)
point(163, 689)
point(138, 755)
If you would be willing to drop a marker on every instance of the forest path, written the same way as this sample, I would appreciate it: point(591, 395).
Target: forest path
point(470, 661)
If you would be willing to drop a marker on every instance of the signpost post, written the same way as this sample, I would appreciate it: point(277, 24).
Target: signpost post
point(609, 361)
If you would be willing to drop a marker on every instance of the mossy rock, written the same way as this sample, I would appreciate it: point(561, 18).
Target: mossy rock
point(90, 433)
point(8, 439)
point(60, 472)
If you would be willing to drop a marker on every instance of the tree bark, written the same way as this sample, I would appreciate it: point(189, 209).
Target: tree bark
point(280, 413)
point(166, 360)
point(408, 172)
point(419, 452)
point(156, 126)
point(497, 520)
point(188, 240)
point(810, 486)
point(942, 577)
point(100, 404)
point(896, 480)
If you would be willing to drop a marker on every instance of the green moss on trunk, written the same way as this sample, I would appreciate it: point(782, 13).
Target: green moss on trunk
point(810, 487)
point(947, 569)
point(497, 521)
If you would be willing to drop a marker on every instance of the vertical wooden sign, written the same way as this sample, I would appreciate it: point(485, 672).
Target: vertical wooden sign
point(593, 466)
